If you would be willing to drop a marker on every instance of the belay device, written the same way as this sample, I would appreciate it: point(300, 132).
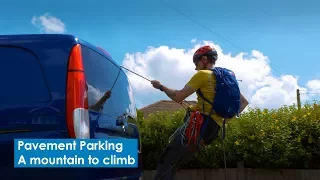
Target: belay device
point(226, 104)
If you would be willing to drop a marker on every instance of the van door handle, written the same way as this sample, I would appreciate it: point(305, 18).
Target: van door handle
point(120, 122)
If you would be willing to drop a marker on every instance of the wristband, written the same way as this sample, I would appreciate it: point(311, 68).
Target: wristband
point(161, 88)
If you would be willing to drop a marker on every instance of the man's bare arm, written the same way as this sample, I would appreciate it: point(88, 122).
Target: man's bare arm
point(244, 102)
point(178, 95)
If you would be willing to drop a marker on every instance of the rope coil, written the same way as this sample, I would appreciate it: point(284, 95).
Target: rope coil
point(190, 131)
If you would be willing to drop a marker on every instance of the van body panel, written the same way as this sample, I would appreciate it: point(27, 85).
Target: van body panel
point(33, 71)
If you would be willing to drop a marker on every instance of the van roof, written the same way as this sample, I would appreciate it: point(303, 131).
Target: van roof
point(29, 38)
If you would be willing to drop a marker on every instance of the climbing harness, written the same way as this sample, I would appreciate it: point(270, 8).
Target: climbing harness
point(193, 129)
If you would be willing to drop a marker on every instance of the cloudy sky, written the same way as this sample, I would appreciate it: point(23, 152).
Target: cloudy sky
point(272, 46)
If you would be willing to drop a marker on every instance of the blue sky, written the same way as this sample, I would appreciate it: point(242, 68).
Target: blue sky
point(287, 32)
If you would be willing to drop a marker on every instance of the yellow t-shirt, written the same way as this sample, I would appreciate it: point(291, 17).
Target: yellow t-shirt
point(206, 82)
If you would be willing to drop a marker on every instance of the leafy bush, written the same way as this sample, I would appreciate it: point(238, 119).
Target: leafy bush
point(282, 138)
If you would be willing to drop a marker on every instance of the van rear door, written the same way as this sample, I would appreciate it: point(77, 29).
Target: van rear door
point(32, 95)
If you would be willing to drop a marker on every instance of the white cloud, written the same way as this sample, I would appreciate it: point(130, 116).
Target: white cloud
point(48, 24)
point(314, 85)
point(194, 40)
point(173, 67)
point(94, 94)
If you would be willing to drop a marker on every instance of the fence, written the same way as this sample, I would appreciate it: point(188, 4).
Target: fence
point(242, 174)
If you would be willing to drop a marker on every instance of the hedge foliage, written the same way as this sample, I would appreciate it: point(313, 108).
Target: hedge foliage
point(261, 138)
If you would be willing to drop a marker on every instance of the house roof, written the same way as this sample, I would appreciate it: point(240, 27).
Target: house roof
point(163, 105)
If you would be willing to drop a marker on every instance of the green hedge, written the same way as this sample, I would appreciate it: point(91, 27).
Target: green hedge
point(282, 138)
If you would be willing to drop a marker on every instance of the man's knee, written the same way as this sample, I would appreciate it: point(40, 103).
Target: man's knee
point(173, 152)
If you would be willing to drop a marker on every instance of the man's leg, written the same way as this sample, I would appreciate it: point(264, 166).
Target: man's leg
point(176, 153)
point(171, 157)
point(173, 154)
point(210, 134)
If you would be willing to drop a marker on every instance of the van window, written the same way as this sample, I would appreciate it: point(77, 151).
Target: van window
point(100, 74)
point(122, 97)
point(21, 77)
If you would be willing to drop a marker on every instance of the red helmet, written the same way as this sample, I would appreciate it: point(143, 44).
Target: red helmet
point(205, 51)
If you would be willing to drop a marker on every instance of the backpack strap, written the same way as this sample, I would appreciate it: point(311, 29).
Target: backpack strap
point(211, 111)
point(202, 96)
point(224, 121)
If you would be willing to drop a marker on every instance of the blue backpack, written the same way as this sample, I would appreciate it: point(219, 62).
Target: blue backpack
point(227, 99)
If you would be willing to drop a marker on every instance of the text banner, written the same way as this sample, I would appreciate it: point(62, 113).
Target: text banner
point(116, 153)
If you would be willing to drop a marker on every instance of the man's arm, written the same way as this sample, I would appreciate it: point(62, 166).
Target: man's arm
point(194, 83)
point(178, 95)
point(244, 102)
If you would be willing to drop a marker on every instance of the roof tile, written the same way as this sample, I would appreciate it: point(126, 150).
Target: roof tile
point(163, 105)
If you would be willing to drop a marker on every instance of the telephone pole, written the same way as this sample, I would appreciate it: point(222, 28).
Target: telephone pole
point(298, 99)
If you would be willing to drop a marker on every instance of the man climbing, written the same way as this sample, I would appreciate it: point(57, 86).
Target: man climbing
point(219, 100)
